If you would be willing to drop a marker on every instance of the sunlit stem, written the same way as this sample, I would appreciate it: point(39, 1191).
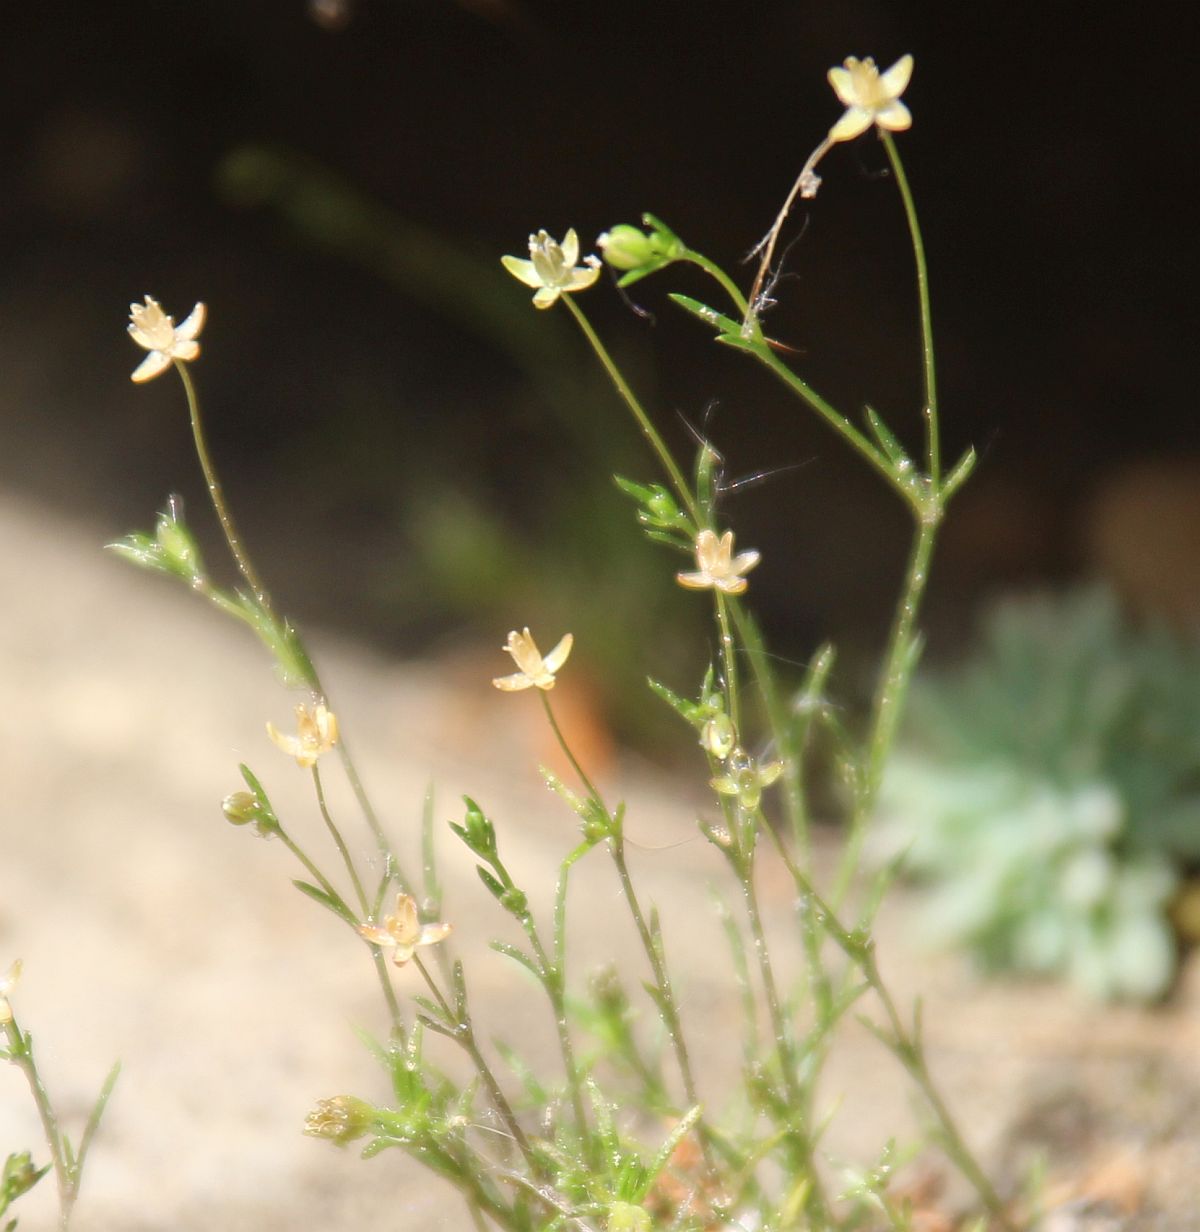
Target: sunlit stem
point(639, 413)
point(580, 772)
point(728, 662)
point(340, 843)
point(385, 981)
point(313, 871)
point(465, 1034)
point(932, 443)
point(20, 1051)
point(778, 717)
point(889, 701)
point(833, 417)
point(907, 1045)
point(662, 981)
point(716, 272)
point(217, 494)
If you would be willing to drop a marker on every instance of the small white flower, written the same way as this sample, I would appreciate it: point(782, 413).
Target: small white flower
point(316, 733)
point(717, 567)
point(535, 671)
point(151, 328)
point(870, 97)
point(7, 984)
point(551, 267)
point(403, 932)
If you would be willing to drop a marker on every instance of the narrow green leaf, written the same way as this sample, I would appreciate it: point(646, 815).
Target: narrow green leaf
point(332, 904)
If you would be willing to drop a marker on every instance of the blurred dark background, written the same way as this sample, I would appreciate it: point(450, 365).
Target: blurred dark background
point(421, 458)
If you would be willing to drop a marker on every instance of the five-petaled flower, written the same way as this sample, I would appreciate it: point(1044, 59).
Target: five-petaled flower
point(716, 565)
point(870, 97)
point(535, 671)
point(7, 984)
point(551, 267)
point(316, 733)
point(151, 328)
point(402, 932)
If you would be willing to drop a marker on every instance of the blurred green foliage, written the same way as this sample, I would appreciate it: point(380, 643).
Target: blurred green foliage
point(1050, 794)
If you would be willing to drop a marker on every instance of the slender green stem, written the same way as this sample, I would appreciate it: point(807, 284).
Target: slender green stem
point(729, 664)
point(262, 597)
point(466, 1037)
point(340, 843)
point(715, 271)
point(216, 493)
point(20, 1051)
point(834, 418)
point(907, 1046)
point(888, 705)
point(932, 443)
point(777, 717)
point(581, 774)
point(643, 420)
point(372, 818)
point(662, 977)
point(313, 871)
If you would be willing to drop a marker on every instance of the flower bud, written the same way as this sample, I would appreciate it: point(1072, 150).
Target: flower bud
point(340, 1120)
point(627, 248)
point(240, 808)
point(718, 736)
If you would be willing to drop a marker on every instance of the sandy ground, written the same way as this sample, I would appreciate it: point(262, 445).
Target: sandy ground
point(154, 932)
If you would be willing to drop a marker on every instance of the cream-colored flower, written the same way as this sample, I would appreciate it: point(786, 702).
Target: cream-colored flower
point(403, 932)
point(535, 671)
point(151, 328)
point(551, 267)
point(316, 733)
point(7, 984)
point(716, 565)
point(870, 97)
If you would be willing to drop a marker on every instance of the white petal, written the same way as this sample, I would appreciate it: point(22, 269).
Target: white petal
point(570, 247)
point(695, 581)
point(895, 117)
point(558, 656)
point(545, 297)
point(743, 562)
point(522, 270)
point(582, 277)
point(376, 935)
point(142, 338)
point(854, 121)
point(843, 86)
point(731, 585)
point(150, 367)
point(511, 684)
point(895, 80)
point(431, 934)
point(185, 350)
point(192, 324)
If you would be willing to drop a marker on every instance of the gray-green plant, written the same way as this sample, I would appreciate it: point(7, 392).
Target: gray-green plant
point(609, 1134)
point(1049, 792)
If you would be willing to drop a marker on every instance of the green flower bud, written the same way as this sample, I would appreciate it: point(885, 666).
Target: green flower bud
point(624, 1217)
point(19, 1177)
point(240, 808)
point(627, 248)
point(340, 1120)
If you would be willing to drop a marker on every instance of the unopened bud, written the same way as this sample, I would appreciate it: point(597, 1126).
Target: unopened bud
point(626, 248)
point(240, 808)
point(340, 1120)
